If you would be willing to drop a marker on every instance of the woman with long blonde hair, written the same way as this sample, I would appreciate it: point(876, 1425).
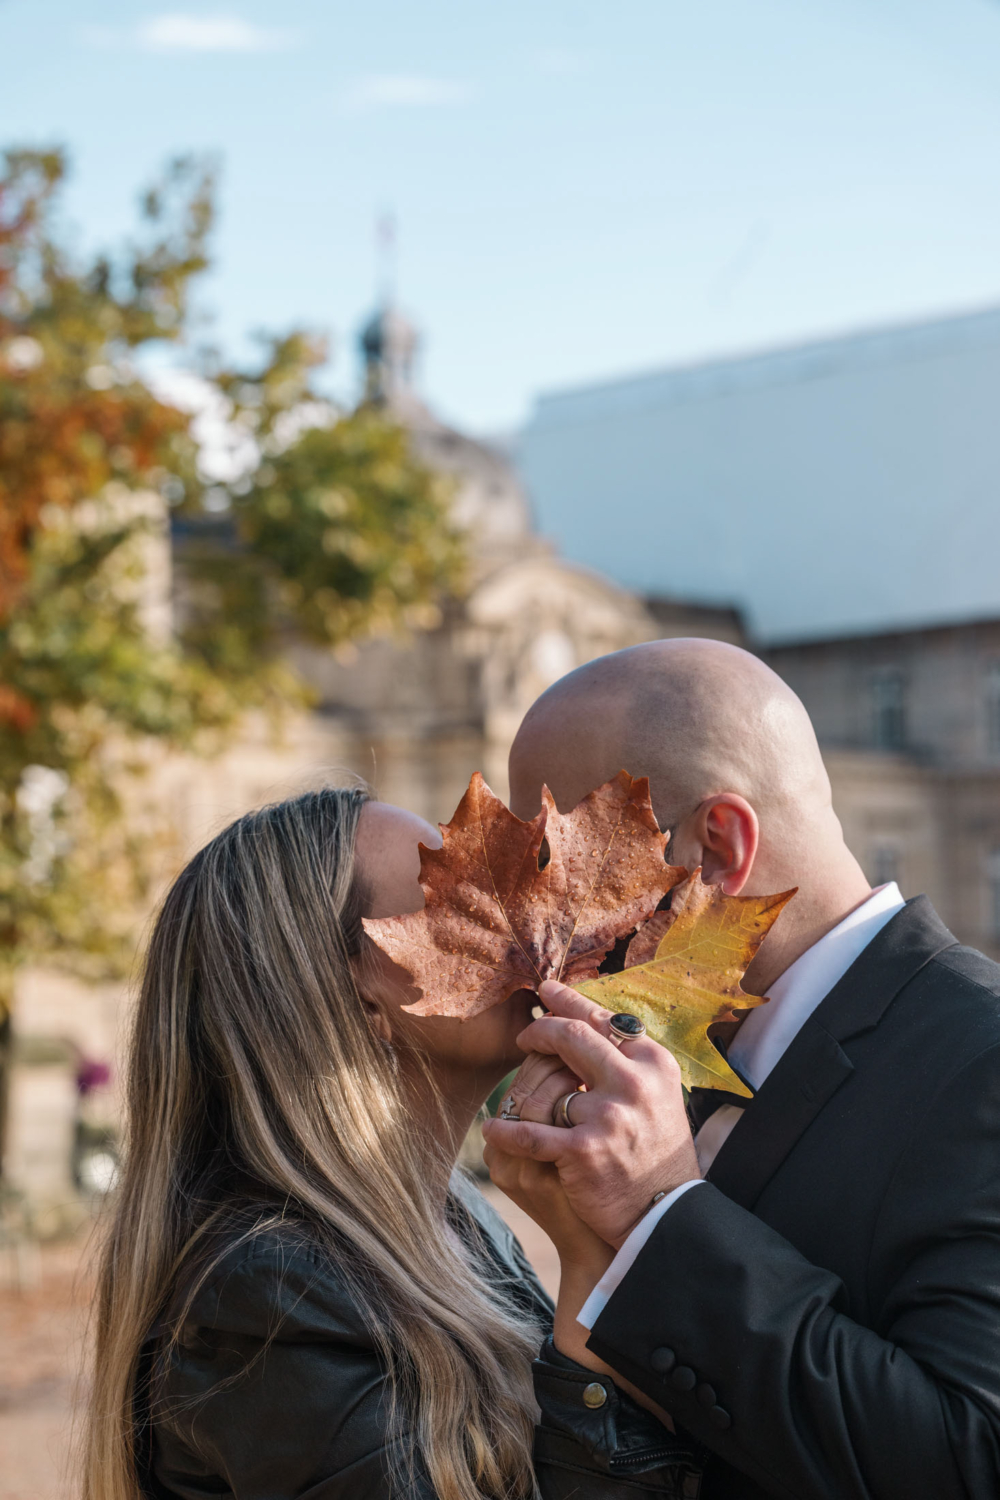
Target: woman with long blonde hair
point(300, 1296)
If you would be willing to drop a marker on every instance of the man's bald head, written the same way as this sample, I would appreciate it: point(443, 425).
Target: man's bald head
point(701, 719)
point(697, 717)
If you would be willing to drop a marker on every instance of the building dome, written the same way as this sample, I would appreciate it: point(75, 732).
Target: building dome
point(489, 504)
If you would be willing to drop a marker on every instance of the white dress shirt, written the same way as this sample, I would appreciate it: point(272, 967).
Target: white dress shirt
point(758, 1045)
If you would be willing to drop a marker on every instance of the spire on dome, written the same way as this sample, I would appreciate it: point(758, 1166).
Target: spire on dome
point(389, 345)
point(488, 504)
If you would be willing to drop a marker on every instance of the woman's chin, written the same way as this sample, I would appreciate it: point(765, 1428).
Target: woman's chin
point(518, 1008)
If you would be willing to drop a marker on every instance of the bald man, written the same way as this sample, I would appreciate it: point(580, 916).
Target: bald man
point(814, 1294)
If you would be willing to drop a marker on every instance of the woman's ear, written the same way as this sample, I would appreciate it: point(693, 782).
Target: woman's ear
point(364, 973)
point(728, 833)
point(378, 1020)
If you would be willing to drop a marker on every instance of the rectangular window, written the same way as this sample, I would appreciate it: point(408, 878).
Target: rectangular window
point(993, 708)
point(889, 709)
point(883, 864)
point(993, 895)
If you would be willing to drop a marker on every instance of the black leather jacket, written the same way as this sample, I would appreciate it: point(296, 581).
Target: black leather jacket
point(275, 1390)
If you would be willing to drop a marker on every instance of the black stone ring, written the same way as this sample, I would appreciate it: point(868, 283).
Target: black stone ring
point(625, 1028)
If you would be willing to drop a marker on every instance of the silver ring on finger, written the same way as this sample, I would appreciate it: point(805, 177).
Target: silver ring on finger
point(507, 1110)
point(562, 1114)
point(625, 1028)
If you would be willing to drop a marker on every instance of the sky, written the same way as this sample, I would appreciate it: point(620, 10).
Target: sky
point(581, 189)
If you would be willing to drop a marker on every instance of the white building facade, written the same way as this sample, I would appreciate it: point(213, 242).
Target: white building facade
point(838, 488)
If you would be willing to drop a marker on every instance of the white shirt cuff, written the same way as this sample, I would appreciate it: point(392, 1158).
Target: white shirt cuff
point(627, 1256)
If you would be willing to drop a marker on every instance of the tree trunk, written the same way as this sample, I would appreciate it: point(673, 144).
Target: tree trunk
point(6, 1049)
point(6, 1058)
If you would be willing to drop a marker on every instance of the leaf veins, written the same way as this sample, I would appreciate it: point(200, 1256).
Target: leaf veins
point(494, 922)
point(683, 972)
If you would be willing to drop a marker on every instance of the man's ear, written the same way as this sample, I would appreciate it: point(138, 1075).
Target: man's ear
point(728, 832)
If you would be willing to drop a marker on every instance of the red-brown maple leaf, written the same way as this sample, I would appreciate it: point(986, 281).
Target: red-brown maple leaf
point(494, 922)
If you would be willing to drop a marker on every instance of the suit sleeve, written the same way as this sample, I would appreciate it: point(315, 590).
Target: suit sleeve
point(748, 1344)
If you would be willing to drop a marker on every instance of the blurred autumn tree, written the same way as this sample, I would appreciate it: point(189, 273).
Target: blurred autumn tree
point(327, 526)
point(335, 530)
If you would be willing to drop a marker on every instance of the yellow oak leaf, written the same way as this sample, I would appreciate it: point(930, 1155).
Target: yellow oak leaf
point(699, 951)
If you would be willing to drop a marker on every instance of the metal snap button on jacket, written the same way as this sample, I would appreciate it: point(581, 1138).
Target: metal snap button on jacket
point(683, 1379)
point(720, 1418)
point(594, 1395)
point(705, 1395)
point(662, 1361)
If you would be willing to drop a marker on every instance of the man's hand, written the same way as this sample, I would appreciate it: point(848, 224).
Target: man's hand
point(630, 1138)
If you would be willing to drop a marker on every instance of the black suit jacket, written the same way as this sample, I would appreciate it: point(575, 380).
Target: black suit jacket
point(824, 1315)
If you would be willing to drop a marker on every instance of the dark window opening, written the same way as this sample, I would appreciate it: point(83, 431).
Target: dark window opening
point(883, 865)
point(993, 709)
point(889, 729)
point(993, 894)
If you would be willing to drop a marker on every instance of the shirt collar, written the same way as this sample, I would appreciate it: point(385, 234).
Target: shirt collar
point(768, 1029)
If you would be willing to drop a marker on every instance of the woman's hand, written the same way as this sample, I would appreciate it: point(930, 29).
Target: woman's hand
point(538, 1085)
point(583, 1255)
point(535, 1187)
point(583, 1258)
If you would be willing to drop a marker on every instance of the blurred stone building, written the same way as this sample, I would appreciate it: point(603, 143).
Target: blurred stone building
point(909, 724)
point(417, 719)
point(908, 717)
point(413, 718)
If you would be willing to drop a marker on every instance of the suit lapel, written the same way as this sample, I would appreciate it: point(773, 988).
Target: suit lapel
point(815, 1065)
point(791, 1097)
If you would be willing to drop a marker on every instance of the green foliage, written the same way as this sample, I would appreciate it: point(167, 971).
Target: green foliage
point(352, 525)
point(335, 531)
point(340, 535)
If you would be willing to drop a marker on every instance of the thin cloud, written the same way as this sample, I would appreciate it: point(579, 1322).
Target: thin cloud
point(177, 32)
point(406, 91)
